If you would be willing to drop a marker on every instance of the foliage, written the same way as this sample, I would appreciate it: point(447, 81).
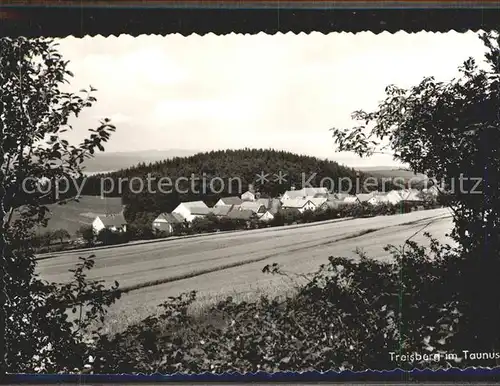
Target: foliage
point(86, 232)
point(450, 132)
point(61, 235)
point(49, 328)
point(109, 237)
point(334, 320)
point(34, 114)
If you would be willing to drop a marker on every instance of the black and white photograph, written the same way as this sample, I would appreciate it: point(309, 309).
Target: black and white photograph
point(250, 203)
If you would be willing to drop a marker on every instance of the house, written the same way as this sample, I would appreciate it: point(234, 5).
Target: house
point(392, 197)
point(332, 204)
point(292, 194)
point(166, 222)
point(234, 200)
point(339, 196)
point(248, 196)
point(412, 196)
point(315, 192)
point(113, 222)
point(222, 210)
point(266, 216)
point(360, 198)
point(305, 193)
point(253, 206)
point(351, 199)
point(318, 201)
point(301, 204)
point(191, 210)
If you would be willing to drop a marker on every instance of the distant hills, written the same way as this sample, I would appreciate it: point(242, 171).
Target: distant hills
point(242, 166)
point(111, 161)
point(245, 164)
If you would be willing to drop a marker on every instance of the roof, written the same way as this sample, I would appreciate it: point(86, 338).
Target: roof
point(200, 210)
point(171, 218)
point(340, 196)
point(113, 220)
point(234, 200)
point(222, 210)
point(241, 214)
point(296, 202)
point(253, 206)
point(194, 204)
point(249, 192)
point(334, 203)
point(265, 201)
point(313, 191)
point(294, 193)
point(363, 197)
point(318, 201)
point(410, 195)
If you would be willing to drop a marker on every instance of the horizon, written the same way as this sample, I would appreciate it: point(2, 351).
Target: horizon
point(96, 168)
point(283, 91)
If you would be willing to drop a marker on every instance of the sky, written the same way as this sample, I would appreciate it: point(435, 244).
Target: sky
point(280, 91)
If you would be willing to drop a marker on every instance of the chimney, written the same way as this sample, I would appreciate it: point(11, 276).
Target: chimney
point(292, 187)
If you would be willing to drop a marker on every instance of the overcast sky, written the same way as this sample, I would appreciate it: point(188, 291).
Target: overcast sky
point(235, 91)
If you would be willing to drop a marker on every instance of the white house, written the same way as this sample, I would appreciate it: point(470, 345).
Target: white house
point(224, 201)
point(266, 216)
point(165, 222)
point(222, 210)
point(333, 204)
point(392, 197)
point(253, 206)
point(350, 199)
point(318, 201)
point(304, 193)
point(301, 204)
point(248, 196)
point(114, 222)
point(191, 210)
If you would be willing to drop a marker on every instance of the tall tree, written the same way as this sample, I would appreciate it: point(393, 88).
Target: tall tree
point(451, 131)
point(34, 112)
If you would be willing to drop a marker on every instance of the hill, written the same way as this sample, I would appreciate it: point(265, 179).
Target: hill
point(220, 173)
point(393, 173)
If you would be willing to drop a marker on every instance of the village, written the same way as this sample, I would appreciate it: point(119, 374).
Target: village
point(250, 206)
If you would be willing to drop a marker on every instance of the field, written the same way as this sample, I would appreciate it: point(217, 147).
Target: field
point(218, 265)
point(72, 215)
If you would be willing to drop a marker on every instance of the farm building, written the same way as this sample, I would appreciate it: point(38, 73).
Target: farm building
point(266, 216)
point(301, 204)
point(305, 193)
point(115, 222)
point(223, 210)
point(333, 204)
point(248, 196)
point(234, 200)
point(166, 222)
point(191, 210)
point(253, 206)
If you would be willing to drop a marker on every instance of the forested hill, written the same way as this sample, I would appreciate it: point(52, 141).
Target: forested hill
point(227, 165)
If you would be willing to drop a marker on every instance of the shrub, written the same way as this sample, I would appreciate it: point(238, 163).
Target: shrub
point(348, 315)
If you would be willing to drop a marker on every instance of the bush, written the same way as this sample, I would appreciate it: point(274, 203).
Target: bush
point(349, 315)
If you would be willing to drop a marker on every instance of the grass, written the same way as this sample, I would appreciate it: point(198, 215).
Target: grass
point(72, 215)
point(228, 265)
